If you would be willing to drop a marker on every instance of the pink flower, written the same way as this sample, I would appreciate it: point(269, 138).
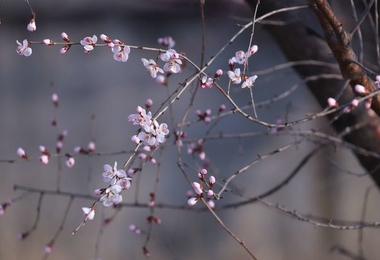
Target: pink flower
point(234, 76)
point(152, 67)
point(207, 82)
point(249, 82)
point(240, 57)
point(24, 49)
point(89, 43)
point(120, 51)
point(89, 213)
point(173, 62)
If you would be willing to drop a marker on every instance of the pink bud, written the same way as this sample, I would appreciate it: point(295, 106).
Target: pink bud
point(78, 149)
point(44, 159)
point(91, 146)
point(218, 73)
point(160, 79)
point(148, 103)
point(32, 25)
point(332, 102)
point(105, 38)
point(197, 188)
point(22, 153)
point(65, 37)
point(70, 162)
point(202, 155)
point(48, 249)
point(355, 102)
point(211, 180)
point(58, 146)
point(210, 193)
point(152, 160)
point(253, 49)
point(64, 49)
point(48, 42)
point(42, 149)
point(55, 99)
point(142, 156)
point(192, 201)
point(222, 107)
point(211, 204)
point(378, 78)
point(360, 89)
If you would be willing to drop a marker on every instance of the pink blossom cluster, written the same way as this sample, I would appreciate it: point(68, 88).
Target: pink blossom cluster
point(204, 189)
point(118, 180)
point(152, 133)
point(235, 74)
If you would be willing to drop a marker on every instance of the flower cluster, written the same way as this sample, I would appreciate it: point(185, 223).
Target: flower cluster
point(235, 75)
point(153, 133)
point(203, 189)
point(118, 180)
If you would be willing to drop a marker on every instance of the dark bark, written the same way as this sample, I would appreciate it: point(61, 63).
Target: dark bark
point(302, 39)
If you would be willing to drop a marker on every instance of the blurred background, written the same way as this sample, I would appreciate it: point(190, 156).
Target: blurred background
point(96, 85)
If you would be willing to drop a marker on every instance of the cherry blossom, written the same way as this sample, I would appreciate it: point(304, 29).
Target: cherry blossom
point(112, 174)
point(240, 57)
point(23, 48)
point(112, 196)
point(249, 82)
point(120, 51)
point(151, 67)
point(153, 134)
point(207, 82)
point(89, 213)
point(173, 62)
point(89, 43)
point(234, 76)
